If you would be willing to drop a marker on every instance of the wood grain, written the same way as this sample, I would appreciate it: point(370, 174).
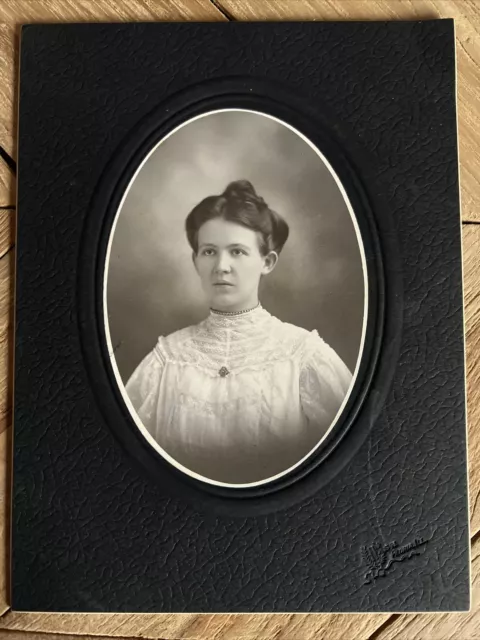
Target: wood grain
point(471, 274)
point(229, 627)
point(22, 635)
point(5, 476)
point(6, 338)
point(8, 119)
point(7, 185)
point(201, 627)
point(6, 377)
point(7, 230)
point(467, 28)
point(16, 12)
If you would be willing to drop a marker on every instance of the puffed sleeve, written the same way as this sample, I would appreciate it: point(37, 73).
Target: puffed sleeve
point(324, 381)
point(143, 388)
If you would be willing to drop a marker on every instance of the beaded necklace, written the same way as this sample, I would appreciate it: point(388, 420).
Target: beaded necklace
point(234, 313)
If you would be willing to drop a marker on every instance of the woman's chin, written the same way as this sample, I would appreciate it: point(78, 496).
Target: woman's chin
point(224, 297)
point(225, 302)
point(223, 305)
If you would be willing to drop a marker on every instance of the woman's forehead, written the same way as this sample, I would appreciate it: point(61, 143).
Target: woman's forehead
point(223, 232)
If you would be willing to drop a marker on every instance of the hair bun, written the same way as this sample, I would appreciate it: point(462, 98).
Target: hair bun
point(244, 191)
point(239, 203)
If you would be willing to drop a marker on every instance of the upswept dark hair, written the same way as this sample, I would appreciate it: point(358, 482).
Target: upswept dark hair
point(240, 203)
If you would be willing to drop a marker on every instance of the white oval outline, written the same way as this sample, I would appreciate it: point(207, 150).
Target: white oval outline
point(146, 434)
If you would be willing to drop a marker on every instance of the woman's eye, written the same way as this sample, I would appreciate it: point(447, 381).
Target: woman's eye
point(208, 252)
point(237, 252)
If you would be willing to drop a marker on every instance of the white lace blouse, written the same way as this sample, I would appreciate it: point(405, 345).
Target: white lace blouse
point(239, 398)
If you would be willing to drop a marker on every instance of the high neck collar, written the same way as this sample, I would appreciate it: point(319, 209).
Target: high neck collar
point(247, 318)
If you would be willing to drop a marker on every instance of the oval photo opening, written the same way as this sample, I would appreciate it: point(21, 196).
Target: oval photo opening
point(235, 297)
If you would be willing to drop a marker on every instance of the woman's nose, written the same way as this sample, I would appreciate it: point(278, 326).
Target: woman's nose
point(223, 263)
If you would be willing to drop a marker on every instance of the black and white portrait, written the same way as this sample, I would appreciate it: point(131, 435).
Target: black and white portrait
point(235, 297)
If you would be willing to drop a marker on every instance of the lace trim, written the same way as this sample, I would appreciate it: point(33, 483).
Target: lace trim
point(216, 409)
point(256, 360)
point(253, 342)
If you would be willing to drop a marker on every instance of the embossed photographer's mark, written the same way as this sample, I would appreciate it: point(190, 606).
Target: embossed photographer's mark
point(379, 557)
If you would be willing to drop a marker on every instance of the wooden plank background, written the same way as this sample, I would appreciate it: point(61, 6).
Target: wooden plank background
point(255, 627)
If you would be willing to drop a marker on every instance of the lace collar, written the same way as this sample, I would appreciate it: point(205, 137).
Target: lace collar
point(224, 345)
point(255, 318)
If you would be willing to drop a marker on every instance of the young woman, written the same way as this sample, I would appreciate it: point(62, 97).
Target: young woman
point(242, 396)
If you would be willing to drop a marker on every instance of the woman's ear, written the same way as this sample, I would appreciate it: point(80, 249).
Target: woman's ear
point(269, 262)
point(194, 260)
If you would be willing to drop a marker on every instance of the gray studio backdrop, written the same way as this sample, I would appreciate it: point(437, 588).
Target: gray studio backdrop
point(152, 287)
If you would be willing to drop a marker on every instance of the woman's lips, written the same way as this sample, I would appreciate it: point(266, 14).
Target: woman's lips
point(222, 284)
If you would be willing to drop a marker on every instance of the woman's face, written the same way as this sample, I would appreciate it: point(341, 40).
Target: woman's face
point(230, 264)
